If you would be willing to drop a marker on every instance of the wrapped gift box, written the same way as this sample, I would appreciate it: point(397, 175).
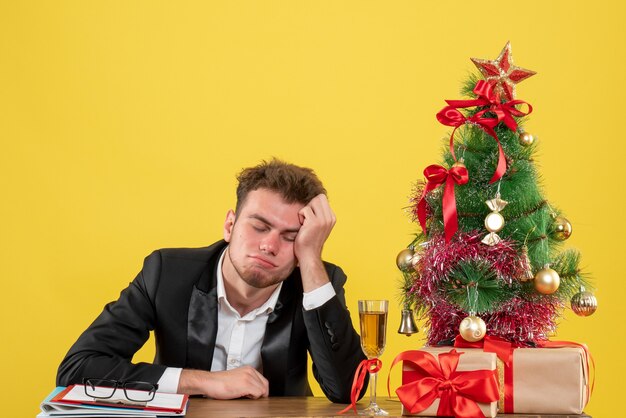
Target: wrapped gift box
point(550, 380)
point(470, 360)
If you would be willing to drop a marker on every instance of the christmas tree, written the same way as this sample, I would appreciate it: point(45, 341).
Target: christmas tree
point(489, 258)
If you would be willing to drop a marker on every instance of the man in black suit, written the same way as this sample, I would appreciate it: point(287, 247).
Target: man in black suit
point(237, 318)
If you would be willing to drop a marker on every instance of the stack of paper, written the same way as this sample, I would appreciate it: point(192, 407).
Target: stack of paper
point(72, 401)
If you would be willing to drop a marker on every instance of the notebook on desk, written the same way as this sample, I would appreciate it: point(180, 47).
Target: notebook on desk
point(72, 401)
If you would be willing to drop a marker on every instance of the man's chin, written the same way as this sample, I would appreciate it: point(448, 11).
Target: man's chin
point(261, 282)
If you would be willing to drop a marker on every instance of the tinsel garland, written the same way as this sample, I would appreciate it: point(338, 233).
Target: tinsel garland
point(524, 317)
point(518, 320)
point(438, 258)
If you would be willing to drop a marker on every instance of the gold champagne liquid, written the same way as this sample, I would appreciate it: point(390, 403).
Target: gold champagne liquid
point(373, 326)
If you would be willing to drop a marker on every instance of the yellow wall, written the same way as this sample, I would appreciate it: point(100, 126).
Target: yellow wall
point(122, 125)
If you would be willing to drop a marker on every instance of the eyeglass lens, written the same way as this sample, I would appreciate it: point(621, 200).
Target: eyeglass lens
point(139, 391)
point(134, 391)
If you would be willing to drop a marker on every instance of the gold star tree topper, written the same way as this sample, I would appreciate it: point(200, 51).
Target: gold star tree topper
point(501, 73)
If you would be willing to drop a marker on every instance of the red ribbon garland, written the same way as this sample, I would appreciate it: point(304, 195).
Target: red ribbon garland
point(366, 366)
point(437, 175)
point(504, 350)
point(458, 392)
point(504, 112)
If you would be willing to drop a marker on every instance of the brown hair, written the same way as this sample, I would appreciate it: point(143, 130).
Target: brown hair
point(293, 183)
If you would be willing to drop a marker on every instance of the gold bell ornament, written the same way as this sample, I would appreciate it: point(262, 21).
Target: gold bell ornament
point(526, 265)
point(407, 323)
point(584, 303)
point(547, 281)
point(494, 222)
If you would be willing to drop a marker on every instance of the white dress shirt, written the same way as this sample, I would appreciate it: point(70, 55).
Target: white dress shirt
point(239, 339)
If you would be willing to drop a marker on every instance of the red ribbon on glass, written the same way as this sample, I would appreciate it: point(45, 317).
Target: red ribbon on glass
point(504, 350)
point(437, 175)
point(504, 112)
point(458, 392)
point(366, 366)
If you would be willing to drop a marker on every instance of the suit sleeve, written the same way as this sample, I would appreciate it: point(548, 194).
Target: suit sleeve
point(333, 343)
point(105, 350)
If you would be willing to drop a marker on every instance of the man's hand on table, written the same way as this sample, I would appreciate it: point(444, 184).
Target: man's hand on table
point(230, 384)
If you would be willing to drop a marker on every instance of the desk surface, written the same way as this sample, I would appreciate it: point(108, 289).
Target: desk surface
point(299, 407)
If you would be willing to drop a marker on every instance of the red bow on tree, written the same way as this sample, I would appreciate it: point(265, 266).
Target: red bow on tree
point(504, 112)
point(458, 392)
point(437, 175)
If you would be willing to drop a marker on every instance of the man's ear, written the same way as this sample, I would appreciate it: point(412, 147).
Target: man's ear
point(229, 223)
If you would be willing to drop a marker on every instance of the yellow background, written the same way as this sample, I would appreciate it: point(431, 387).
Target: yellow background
point(123, 124)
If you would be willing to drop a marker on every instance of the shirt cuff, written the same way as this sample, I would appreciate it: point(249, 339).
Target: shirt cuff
point(316, 298)
point(169, 380)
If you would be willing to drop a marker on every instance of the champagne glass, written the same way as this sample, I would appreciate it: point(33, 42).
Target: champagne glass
point(373, 319)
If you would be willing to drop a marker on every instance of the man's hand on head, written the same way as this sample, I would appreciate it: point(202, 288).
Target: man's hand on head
point(242, 382)
point(318, 220)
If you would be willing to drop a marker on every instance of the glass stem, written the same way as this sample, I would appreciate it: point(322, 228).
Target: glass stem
point(373, 388)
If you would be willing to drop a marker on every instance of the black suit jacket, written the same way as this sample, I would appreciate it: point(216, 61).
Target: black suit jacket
point(175, 295)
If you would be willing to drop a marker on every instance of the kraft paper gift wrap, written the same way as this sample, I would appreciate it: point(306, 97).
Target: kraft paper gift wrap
point(470, 360)
point(550, 380)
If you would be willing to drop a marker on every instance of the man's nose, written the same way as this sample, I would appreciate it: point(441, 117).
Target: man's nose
point(270, 244)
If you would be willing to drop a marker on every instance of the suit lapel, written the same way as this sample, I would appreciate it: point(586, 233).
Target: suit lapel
point(275, 349)
point(202, 317)
point(201, 329)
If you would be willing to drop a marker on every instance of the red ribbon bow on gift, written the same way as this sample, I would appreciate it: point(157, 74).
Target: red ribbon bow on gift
point(437, 175)
point(458, 392)
point(504, 350)
point(366, 366)
point(504, 112)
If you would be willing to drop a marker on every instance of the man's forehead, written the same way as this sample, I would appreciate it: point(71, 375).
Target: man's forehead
point(271, 208)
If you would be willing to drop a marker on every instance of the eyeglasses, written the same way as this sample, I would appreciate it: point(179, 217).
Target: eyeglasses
point(133, 391)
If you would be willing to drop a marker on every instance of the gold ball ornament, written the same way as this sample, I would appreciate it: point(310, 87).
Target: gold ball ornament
point(547, 281)
point(494, 222)
point(472, 329)
point(526, 138)
point(562, 229)
point(404, 259)
point(415, 260)
point(584, 303)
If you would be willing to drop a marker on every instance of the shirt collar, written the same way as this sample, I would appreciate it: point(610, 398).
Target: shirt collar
point(267, 307)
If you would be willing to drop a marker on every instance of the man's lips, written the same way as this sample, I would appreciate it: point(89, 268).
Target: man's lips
point(264, 262)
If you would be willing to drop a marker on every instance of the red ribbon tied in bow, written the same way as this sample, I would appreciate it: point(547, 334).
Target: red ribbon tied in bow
point(366, 366)
point(437, 175)
point(486, 97)
point(504, 350)
point(458, 392)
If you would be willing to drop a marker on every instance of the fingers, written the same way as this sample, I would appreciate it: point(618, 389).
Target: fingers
point(320, 207)
point(254, 383)
point(230, 384)
point(319, 213)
